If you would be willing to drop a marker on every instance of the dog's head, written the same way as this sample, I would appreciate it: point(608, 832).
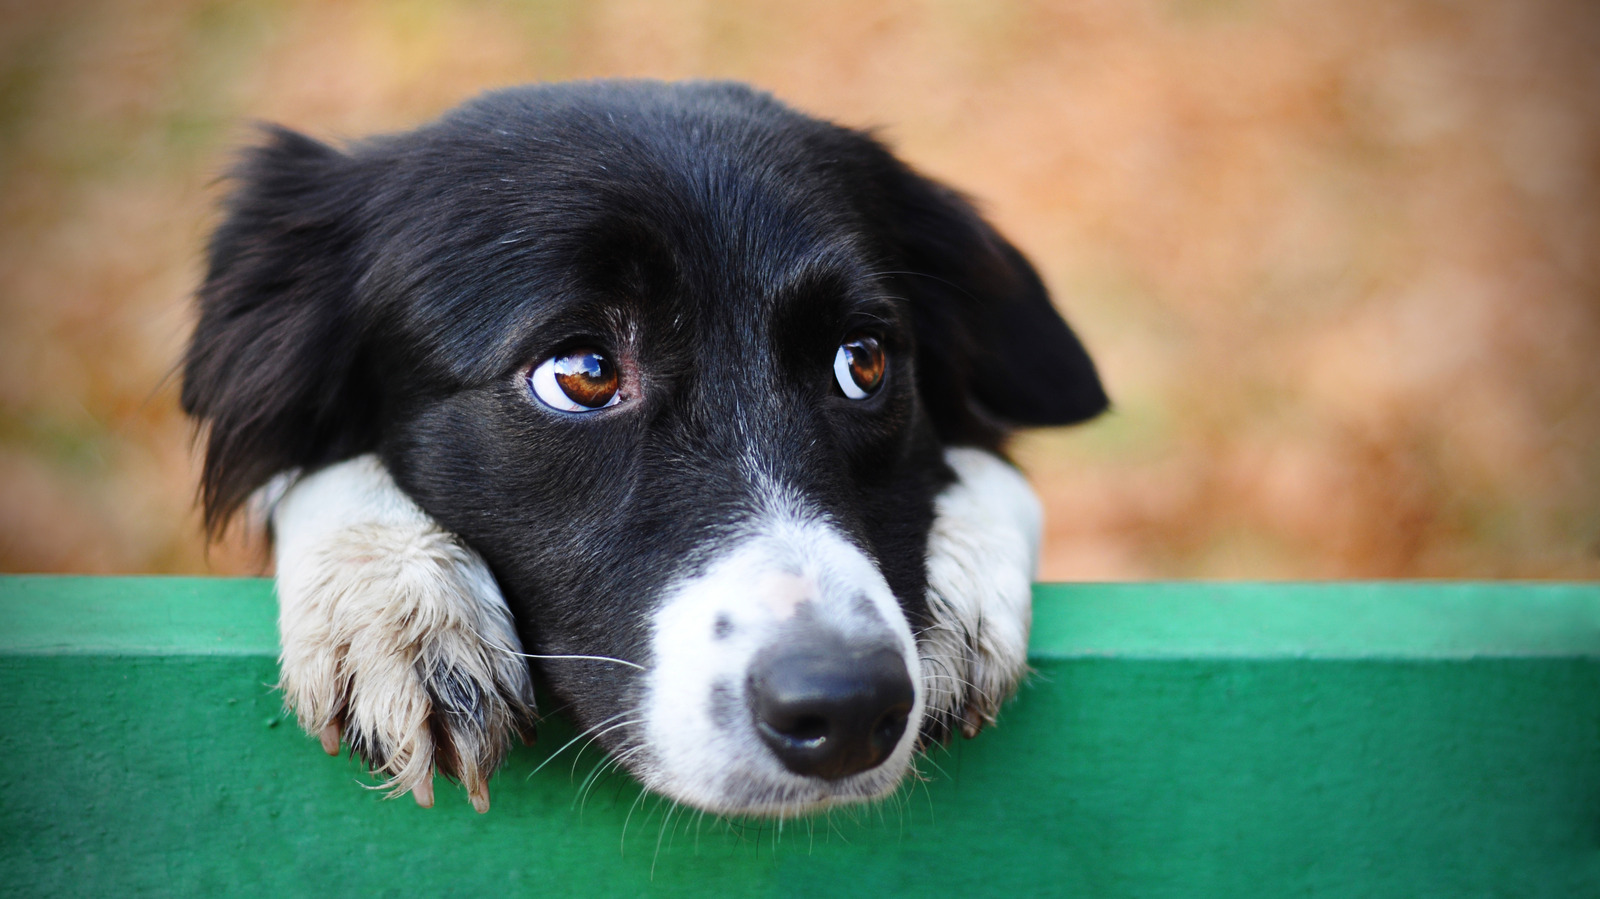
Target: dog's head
point(686, 367)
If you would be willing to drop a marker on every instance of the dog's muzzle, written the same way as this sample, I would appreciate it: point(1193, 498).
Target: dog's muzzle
point(785, 678)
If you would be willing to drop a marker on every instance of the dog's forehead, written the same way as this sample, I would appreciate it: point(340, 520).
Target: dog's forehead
point(536, 220)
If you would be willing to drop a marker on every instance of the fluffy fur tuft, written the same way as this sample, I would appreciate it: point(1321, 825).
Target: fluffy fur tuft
point(394, 633)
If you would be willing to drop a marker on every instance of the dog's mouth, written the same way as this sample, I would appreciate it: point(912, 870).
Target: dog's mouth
point(786, 679)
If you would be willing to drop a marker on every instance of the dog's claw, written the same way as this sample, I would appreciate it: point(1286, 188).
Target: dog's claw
point(330, 737)
point(479, 795)
point(423, 792)
point(972, 721)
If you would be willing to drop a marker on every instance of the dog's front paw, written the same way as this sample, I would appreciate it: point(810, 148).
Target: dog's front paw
point(395, 635)
point(982, 554)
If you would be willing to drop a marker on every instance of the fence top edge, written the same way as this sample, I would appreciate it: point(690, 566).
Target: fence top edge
point(1419, 620)
point(1398, 620)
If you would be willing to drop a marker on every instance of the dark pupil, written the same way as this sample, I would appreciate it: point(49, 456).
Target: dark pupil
point(866, 362)
point(587, 378)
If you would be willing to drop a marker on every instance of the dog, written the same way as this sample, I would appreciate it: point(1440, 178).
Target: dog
point(694, 402)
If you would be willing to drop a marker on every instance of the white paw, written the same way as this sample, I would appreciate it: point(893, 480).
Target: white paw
point(983, 551)
point(395, 634)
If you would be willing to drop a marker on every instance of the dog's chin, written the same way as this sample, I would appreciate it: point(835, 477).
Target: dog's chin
point(763, 792)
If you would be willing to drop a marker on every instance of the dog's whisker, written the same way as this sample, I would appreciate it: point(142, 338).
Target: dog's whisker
point(586, 732)
point(926, 757)
point(596, 735)
point(945, 281)
point(605, 766)
point(665, 820)
point(699, 822)
point(498, 647)
point(960, 681)
point(622, 844)
point(601, 768)
point(612, 659)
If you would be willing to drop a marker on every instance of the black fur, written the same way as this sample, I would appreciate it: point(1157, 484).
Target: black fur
point(390, 298)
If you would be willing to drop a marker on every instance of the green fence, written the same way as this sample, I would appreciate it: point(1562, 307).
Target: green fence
point(1229, 740)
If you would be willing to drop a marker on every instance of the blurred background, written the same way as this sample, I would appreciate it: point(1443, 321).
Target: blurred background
point(1339, 262)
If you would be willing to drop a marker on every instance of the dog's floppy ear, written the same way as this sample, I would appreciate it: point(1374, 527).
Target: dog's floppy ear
point(992, 350)
point(273, 369)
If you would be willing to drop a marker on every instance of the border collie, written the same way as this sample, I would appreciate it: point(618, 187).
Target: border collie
point(693, 400)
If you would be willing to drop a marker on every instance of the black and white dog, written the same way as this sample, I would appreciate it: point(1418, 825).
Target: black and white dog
point(693, 399)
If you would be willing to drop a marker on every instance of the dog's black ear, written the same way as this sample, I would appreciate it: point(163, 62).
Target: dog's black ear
point(992, 351)
point(273, 369)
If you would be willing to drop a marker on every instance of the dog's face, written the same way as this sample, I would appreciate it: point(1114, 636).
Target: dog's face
point(685, 367)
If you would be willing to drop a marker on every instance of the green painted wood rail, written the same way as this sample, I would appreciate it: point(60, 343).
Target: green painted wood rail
point(1228, 740)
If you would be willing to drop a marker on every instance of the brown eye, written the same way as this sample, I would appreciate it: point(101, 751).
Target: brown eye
point(582, 380)
point(858, 366)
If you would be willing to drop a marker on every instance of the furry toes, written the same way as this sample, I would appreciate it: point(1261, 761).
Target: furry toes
point(395, 637)
point(982, 553)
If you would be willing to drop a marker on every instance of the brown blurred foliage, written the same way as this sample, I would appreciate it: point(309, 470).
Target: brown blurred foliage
point(1340, 262)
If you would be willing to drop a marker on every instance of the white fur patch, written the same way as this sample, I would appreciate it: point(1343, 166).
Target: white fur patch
point(983, 552)
point(707, 633)
point(385, 618)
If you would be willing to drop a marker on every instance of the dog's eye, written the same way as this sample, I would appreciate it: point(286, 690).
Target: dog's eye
point(858, 366)
point(582, 380)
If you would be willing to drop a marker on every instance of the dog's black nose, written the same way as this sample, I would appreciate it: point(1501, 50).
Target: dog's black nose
point(829, 708)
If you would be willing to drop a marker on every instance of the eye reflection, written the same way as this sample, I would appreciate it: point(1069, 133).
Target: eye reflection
point(858, 366)
point(582, 380)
